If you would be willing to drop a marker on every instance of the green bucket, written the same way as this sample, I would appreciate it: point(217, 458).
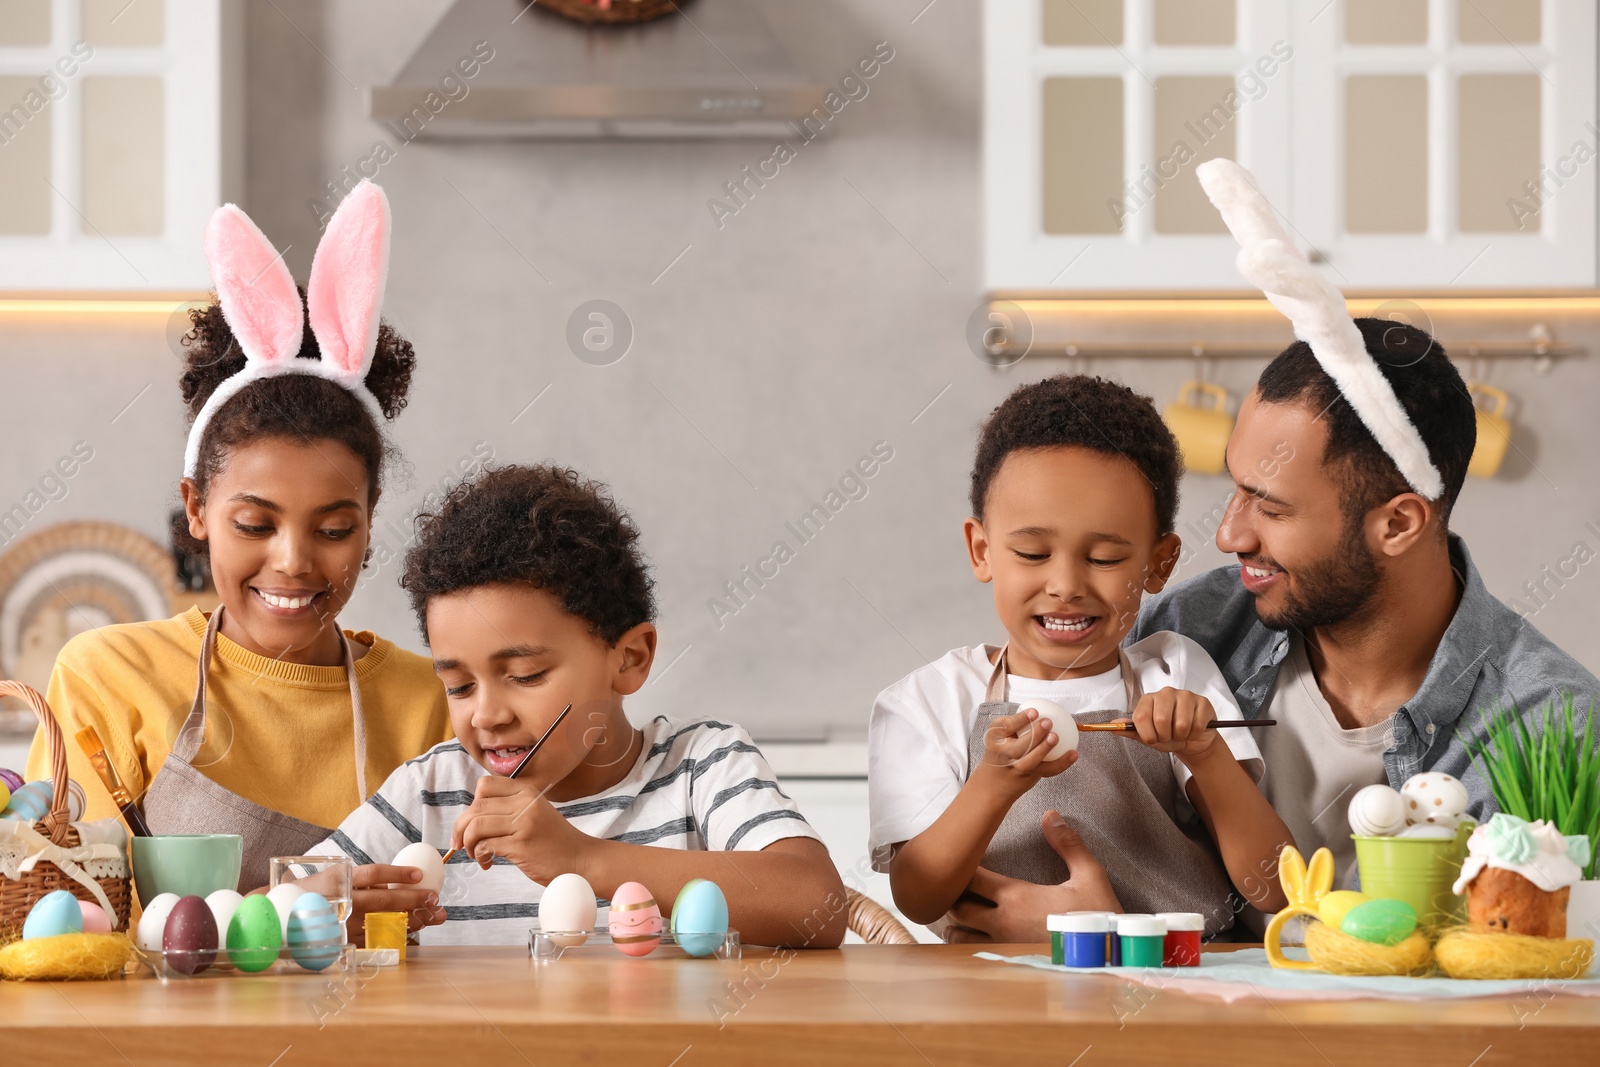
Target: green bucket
point(1417, 870)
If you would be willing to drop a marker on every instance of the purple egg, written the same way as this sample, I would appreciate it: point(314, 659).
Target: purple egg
point(190, 937)
point(11, 778)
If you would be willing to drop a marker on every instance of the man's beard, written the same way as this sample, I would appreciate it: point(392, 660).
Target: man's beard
point(1330, 590)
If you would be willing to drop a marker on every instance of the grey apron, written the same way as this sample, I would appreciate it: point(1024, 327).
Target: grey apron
point(182, 800)
point(1122, 798)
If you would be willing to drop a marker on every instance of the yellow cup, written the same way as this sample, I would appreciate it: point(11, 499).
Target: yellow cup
point(1202, 432)
point(1494, 430)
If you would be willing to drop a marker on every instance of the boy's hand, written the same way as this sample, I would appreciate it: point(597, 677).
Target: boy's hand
point(369, 891)
point(511, 818)
point(1176, 720)
point(1014, 748)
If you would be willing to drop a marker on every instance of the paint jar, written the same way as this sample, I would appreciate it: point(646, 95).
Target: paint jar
point(1142, 940)
point(1079, 938)
point(1181, 948)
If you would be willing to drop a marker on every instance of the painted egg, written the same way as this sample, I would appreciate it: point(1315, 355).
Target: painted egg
point(153, 923)
point(1435, 798)
point(425, 858)
point(5, 795)
point(315, 935)
point(253, 934)
point(95, 919)
point(1377, 811)
point(30, 803)
point(567, 907)
point(1380, 922)
point(635, 920)
point(75, 797)
point(283, 896)
point(1334, 906)
point(1064, 725)
point(56, 912)
point(700, 917)
point(11, 779)
point(190, 937)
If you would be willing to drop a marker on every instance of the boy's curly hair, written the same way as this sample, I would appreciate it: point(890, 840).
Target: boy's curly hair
point(1077, 411)
point(545, 526)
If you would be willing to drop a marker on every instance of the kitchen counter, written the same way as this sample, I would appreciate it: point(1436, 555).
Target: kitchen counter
point(861, 1004)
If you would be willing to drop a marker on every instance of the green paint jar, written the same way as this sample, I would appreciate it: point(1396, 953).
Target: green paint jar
point(1142, 939)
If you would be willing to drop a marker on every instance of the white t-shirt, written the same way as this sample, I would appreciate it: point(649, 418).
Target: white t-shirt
point(1316, 765)
point(917, 738)
point(699, 784)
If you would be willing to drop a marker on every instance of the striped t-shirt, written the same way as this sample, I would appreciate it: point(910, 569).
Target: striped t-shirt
point(698, 784)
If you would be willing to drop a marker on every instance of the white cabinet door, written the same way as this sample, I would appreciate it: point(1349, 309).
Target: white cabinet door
point(1443, 143)
point(1097, 112)
point(119, 135)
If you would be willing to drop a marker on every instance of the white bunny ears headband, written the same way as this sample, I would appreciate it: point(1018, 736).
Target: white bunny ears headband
point(1270, 262)
point(262, 307)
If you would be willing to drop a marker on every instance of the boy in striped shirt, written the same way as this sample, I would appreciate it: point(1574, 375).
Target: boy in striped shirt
point(533, 594)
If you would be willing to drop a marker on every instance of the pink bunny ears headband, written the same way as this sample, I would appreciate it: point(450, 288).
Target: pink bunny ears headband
point(263, 309)
point(1270, 262)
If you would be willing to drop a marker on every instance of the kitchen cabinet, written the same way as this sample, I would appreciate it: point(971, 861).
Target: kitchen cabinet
point(1416, 143)
point(120, 133)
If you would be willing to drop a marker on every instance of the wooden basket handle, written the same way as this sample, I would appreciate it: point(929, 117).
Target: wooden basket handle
point(58, 820)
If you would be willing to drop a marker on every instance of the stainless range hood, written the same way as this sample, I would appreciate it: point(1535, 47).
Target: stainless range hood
point(714, 69)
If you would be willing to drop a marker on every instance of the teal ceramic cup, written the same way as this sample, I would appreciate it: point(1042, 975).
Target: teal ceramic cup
point(186, 864)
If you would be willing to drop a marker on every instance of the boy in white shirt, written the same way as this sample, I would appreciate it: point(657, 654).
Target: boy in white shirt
point(533, 594)
point(1074, 496)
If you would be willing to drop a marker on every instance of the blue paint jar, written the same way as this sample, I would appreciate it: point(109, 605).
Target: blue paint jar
point(1079, 938)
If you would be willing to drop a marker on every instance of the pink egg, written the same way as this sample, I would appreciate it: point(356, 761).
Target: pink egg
point(635, 920)
point(95, 919)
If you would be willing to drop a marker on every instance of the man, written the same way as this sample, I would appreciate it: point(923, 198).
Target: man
point(1354, 617)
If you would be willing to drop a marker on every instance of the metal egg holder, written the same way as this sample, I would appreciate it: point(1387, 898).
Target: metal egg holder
point(166, 964)
point(546, 946)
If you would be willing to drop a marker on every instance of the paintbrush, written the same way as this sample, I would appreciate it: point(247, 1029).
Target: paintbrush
point(95, 749)
point(524, 762)
point(1129, 728)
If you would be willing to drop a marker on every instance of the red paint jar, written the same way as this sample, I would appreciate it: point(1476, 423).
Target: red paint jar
point(1182, 945)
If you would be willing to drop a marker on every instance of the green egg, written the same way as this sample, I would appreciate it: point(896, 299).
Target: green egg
point(254, 934)
point(1380, 922)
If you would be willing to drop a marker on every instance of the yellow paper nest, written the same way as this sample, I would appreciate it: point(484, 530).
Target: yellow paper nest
point(65, 957)
point(1339, 953)
point(1464, 953)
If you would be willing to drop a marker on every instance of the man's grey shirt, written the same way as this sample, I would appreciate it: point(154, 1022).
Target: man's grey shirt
point(1489, 657)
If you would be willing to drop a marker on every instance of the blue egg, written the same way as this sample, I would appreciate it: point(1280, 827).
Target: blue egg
point(55, 913)
point(315, 935)
point(700, 917)
point(30, 803)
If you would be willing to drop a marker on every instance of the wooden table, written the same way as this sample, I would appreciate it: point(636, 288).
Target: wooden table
point(925, 1004)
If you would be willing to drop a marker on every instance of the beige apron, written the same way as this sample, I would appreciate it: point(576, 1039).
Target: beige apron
point(182, 800)
point(1122, 798)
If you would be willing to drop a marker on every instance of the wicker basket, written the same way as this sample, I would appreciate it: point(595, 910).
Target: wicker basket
point(18, 895)
point(619, 11)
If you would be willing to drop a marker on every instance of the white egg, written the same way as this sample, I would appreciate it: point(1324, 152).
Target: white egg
point(425, 858)
point(1427, 830)
point(567, 906)
point(223, 903)
point(283, 895)
point(1377, 811)
point(1434, 797)
point(153, 923)
point(1064, 725)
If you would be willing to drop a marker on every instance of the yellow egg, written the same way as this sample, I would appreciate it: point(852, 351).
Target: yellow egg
point(1333, 906)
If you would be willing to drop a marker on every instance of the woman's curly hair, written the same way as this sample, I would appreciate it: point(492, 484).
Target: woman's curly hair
point(543, 526)
point(300, 407)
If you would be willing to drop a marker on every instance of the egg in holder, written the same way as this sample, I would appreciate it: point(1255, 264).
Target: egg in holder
point(635, 926)
point(1349, 936)
point(186, 937)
